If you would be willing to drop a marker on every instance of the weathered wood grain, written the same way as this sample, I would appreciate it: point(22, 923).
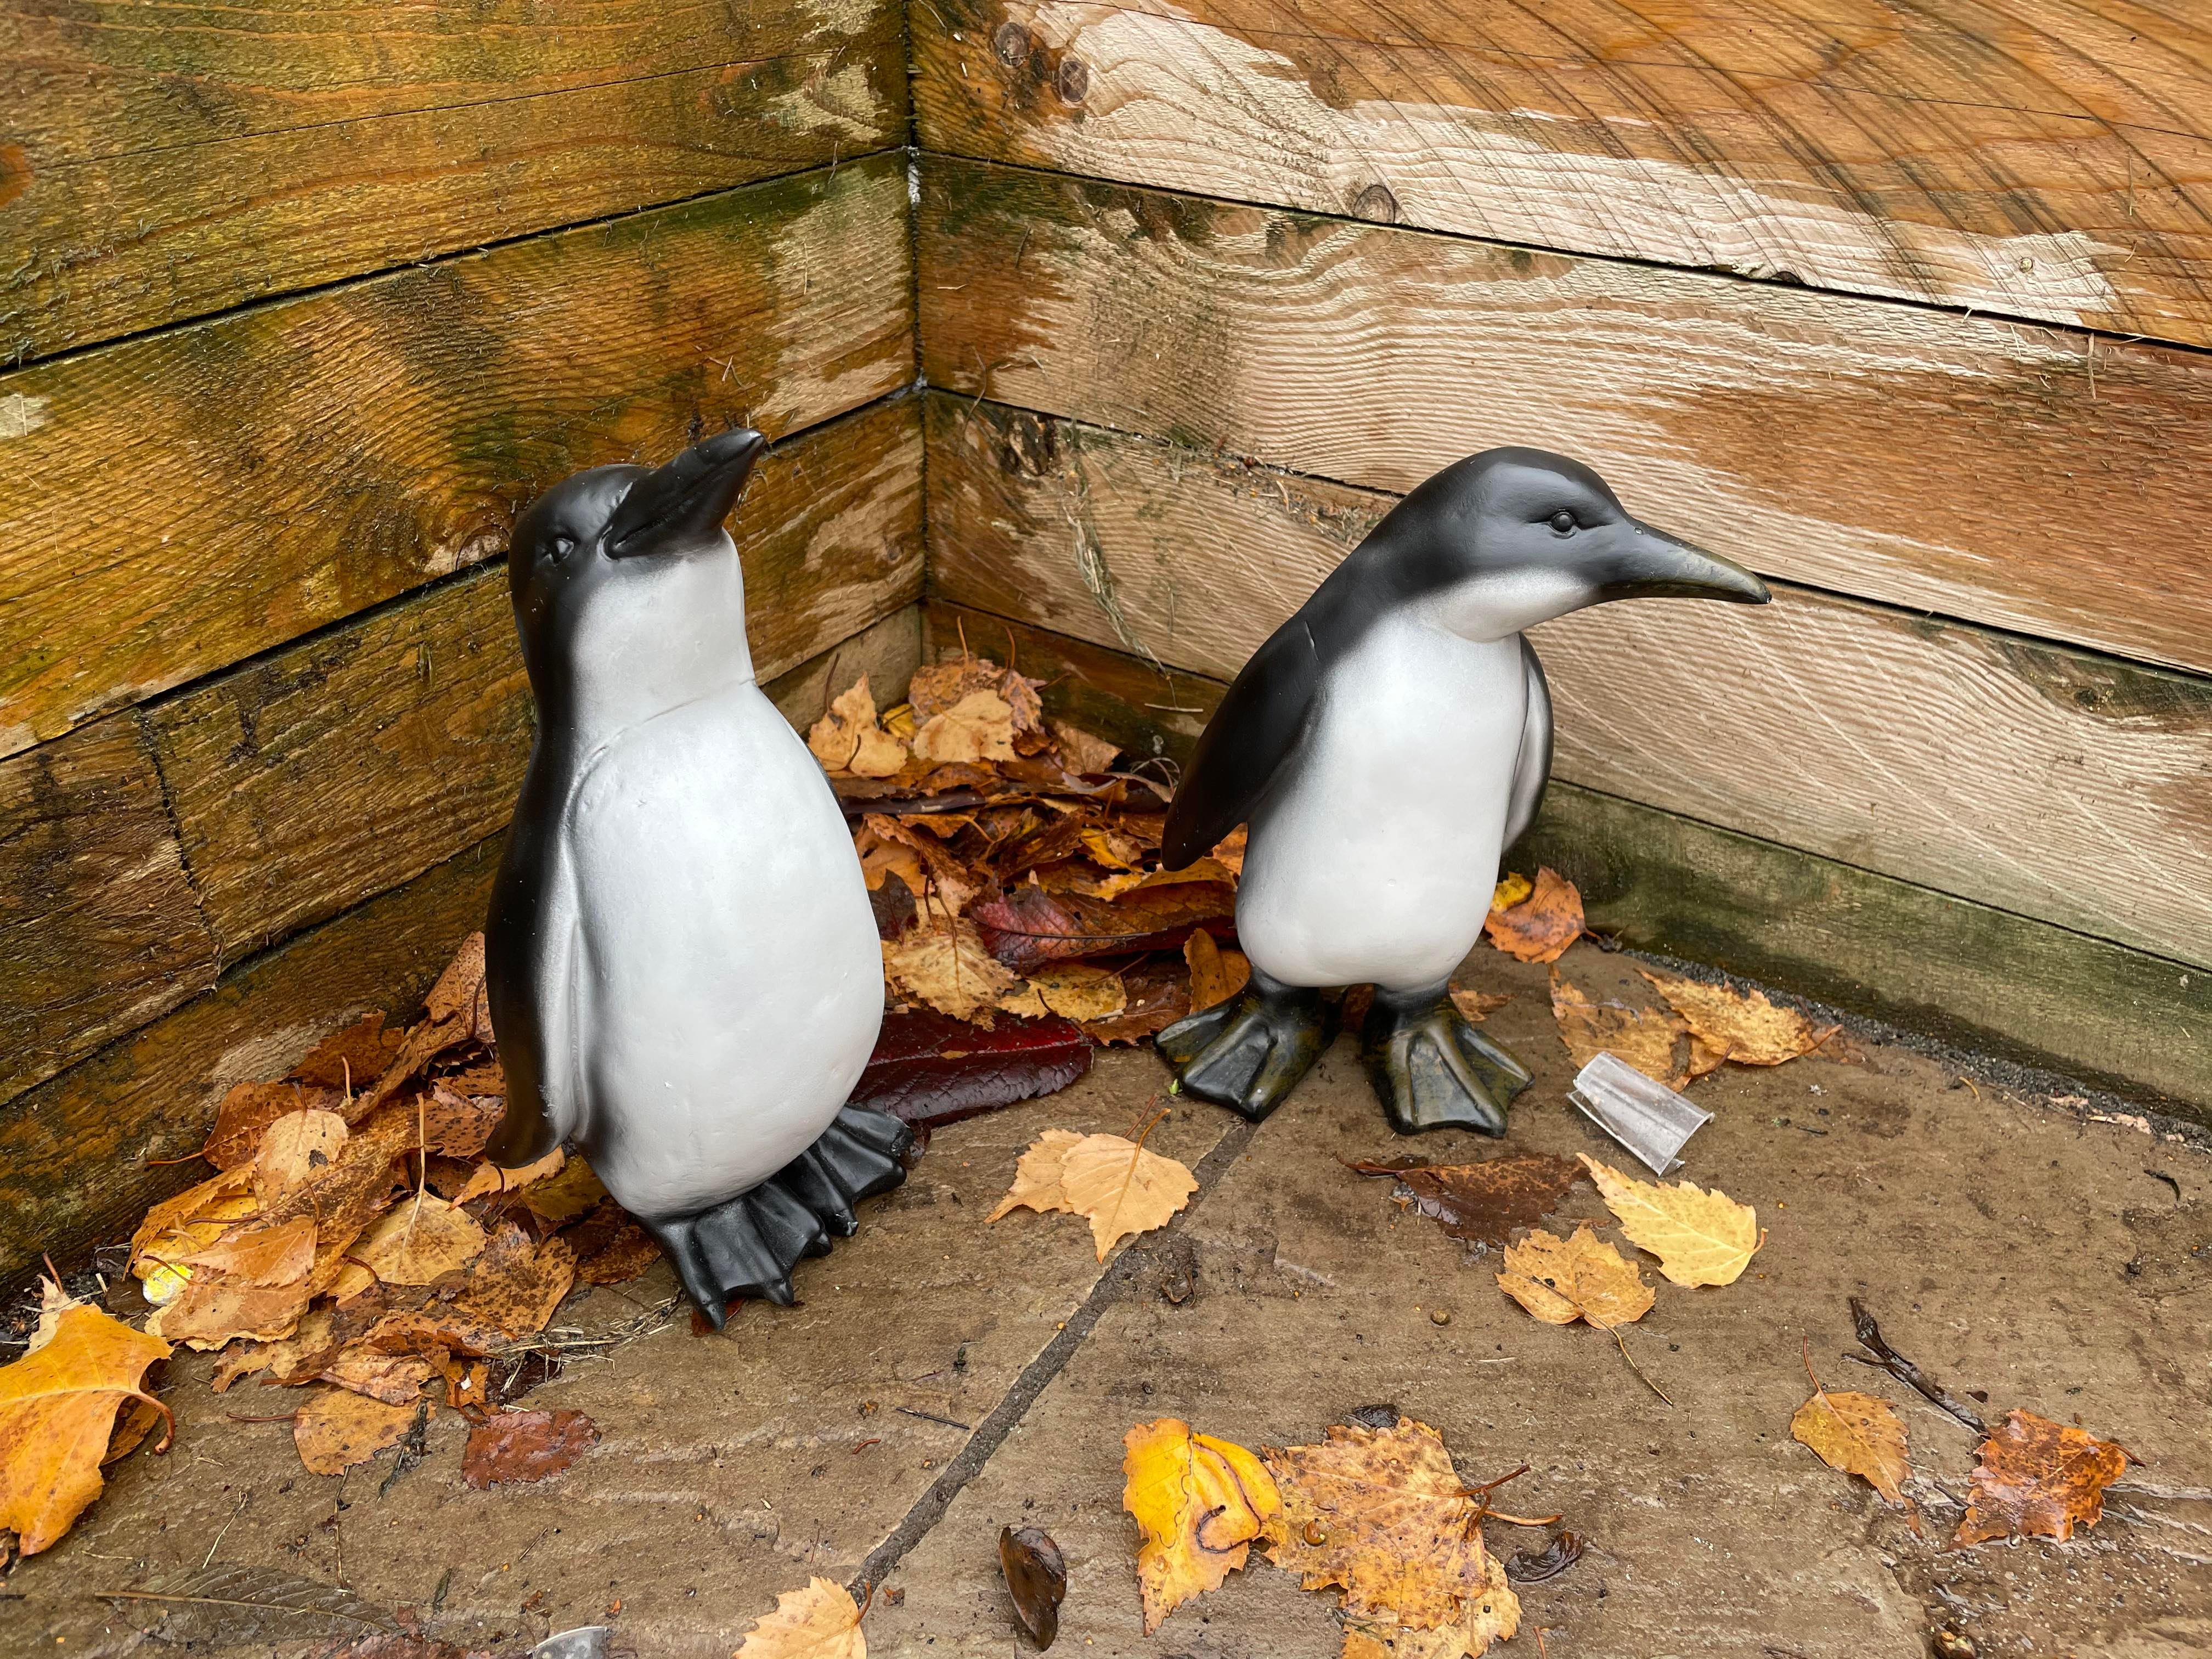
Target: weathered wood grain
point(888, 651)
point(98, 928)
point(77, 1153)
point(2064, 787)
point(172, 504)
point(2047, 159)
point(169, 162)
point(1991, 472)
point(1983, 978)
point(330, 771)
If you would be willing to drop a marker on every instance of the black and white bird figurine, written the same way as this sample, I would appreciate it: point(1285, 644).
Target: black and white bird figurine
point(681, 965)
point(1385, 746)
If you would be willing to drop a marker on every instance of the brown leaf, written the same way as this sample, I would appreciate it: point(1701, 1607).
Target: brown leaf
point(215, 1308)
point(1229, 854)
point(1036, 1578)
point(1540, 926)
point(1700, 1238)
point(1216, 975)
point(262, 1255)
point(1739, 1025)
point(1650, 1042)
point(1029, 927)
point(1119, 1185)
point(489, 1178)
point(58, 1414)
point(611, 1248)
point(819, 1622)
point(949, 886)
point(297, 1148)
point(847, 738)
point(514, 1448)
point(1081, 753)
point(456, 1011)
point(338, 1428)
point(1561, 1280)
point(978, 727)
point(1158, 990)
point(2037, 1479)
point(395, 1379)
point(454, 1124)
point(249, 1108)
point(1483, 1203)
point(1858, 1433)
point(352, 1058)
point(1475, 1006)
point(1200, 1504)
point(419, 1241)
point(944, 964)
point(516, 1284)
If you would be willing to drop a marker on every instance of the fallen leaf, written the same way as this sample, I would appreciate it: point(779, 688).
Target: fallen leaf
point(947, 886)
point(1036, 1578)
point(1229, 854)
point(1029, 927)
point(516, 1283)
point(1200, 1502)
point(1122, 1187)
point(395, 1379)
point(296, 1149)
point(351, 1059)
point(1561, 1280)
point(338, 1428)
point(1483, 1203)
point(1158, 990)
point(847, 738)
point(570, 1191)
point(1647, 1040)
point(1080, 751)
point(419, 1241)
point(1700, 1237)
point(1216, 975)
point(611, 1248)
point(1122, 882)
point(819, 1622)
point(58, 1406)
point(1074, 990)
point(136, 1421)
point(1858, 1433)
point(929, 1069)
point(489, 1178)
point(944, 963)
point(215, 1307)
point(249, 1108)
point(1493, 1616)
point(1739, 1025)
point(1554, 1558)
point(1475, 1006)
point(1541, 926)
point(1037, 1184)
point(1382, 1514)
point(514, 1448)
point(2037, 1479)
point(262, 1255)
point(232, 1608)
point(1511, 889)
point(978, 727)
point(454, 1124)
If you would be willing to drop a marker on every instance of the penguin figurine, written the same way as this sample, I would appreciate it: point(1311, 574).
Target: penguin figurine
point(681, 965)
point(1385, 746)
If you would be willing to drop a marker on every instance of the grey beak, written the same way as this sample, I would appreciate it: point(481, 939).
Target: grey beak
point(684, 502)
point(1649, 563)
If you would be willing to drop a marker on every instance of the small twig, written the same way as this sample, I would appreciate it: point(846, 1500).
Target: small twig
point(244, 1499)
point(281, 1416)
point(1870, 1338)
point(931, 1417)
point(1638, 1369)
point(1522, 1520)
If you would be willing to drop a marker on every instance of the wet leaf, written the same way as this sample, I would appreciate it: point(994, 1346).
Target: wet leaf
point(419, 1241)
point(1511, 889)
point(611, 1248)
point(1216, 975)
point(1475, 1006)
point(570, 1191)
point(1700, 1238)
point(1074, 990)
point(1157, 993)
point(229, 1607)
point(1559, 1281)
point(1739, 1025)
point(1119, 1185)
point(215, 1307)
point(457, 1125)
point(1029, 927)
point(2037, 1479)
point(1540, 926)
point(1858, 1433)
point(296, 1149)
point(262, 1255)
point(978, 727)
point(59, 1405)
point(489, 1178)
point(1080, 751)
point(819, 1622)
point(1554, 1558)
point(514, 1448)
point(395, 1379)
point(847, 738)
point(944, 964)
point(249, 1108)
point(1648, 1041)
point(930, 1069)
point(1483, 1203)
point(1200, 1504)
point(337, 1428)
point(351, 1059)
point(1493, 1616)
point(1036, 1578)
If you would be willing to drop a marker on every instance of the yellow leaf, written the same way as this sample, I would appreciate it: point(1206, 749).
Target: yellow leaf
point(1199, 1502)
point(1539, 927)
point(1510, 891)
point(57, 1410)
point(338, 1428)
point(1739, 1025)
point(1074, 990)
point(262, 1256)
point(818, 1622)
point(295, 1149)
point(978, 727)
point(944, 963)
point(1700, 1237)
point(1493, 1616)
point(1119, 1185)
point(1216, 975)
point(1036, 1177)
point(1561, 1280)
point(491, 1178)
point(1644, 1039)
point(417, 1242)
point(848, 740)
point(1860, 1434)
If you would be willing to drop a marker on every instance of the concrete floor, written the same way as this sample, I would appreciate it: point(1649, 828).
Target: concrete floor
point(2007, 1245)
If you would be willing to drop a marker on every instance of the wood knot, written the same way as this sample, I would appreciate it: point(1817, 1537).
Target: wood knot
point(1073, 81)
point(1011, 43)
point(1377, 204)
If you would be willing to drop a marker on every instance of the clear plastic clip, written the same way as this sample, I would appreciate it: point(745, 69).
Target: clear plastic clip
point(1647, 1117)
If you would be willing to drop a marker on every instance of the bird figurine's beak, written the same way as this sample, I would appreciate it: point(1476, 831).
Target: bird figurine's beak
point(1646, 563)
point(681, 507)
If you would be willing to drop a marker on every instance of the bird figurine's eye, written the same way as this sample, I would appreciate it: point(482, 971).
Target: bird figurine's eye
point(563, 547)
point(1563, 523)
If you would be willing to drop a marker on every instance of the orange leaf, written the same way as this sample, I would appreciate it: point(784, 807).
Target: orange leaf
point(1541, 926)
point(2037, 1479)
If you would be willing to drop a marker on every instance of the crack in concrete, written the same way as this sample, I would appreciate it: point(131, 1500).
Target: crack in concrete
point(1148, 1252)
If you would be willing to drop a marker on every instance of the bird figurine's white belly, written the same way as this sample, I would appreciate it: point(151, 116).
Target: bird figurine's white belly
point(1374, 858)
point(728, 983)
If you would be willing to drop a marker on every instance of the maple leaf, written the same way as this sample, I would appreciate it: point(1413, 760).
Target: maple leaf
point(58, 1406)
point(1561, 1280)
point(1382, 1514)
point(1700, 1238)
point(419, 1241)
point(338, 1428)
point(1739, 1025)
point(1200, 1502)
point(819, 1622)
point(847, 738)
point(1539, 927)
point(1644, 1039)
point(1216, 975)
point(514, 1448)
point(1486, 1202)
point(944, 964)
point(2037, 1479)
point(1858, 1433)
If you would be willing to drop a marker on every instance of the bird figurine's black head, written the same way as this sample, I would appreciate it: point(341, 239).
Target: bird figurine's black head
point(1510, 538)
point(628, 593)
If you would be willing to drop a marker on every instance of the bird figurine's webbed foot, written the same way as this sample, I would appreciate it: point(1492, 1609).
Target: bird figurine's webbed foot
point(1249, 1053)
point(747, 1246)
point(1432, 1069)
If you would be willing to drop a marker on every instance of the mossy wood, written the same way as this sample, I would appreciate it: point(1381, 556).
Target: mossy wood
point(1972, 973)
point(164, 163)
point(292, 463)
point(2035, 158)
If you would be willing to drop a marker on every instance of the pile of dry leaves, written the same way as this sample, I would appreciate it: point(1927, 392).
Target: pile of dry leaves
point(1013, 871)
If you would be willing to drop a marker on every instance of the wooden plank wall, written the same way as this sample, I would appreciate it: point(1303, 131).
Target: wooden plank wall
point(1906, 306)
point(301, 303)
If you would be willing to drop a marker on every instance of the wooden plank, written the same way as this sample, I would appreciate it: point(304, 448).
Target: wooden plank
point(1980, 470)
point(2046, 159)
point(1965, 973)
point(347, 764)
point(171, 161)
point(78, 1154)
point(2060, 786)
point(888, 651)
point(98, 928)
point(173, 504)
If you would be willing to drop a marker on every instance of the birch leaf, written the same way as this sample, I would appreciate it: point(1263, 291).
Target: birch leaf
point(1561, 1280)
point(1200, 1502)
point(1700, 1237)
point(819, 1622)
point(1858, 1433)
point(57, 1409)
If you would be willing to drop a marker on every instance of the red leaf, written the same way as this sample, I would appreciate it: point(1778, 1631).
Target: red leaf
point(1030, 927)
point(510, 1448)
point(931, 1069)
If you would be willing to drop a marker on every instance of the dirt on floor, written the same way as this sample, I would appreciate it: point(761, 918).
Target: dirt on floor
point(944, 1377)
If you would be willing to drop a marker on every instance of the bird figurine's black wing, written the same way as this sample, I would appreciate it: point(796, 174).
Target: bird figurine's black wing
point(530, 943)
point(1532, 768)
point(1244, 745)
